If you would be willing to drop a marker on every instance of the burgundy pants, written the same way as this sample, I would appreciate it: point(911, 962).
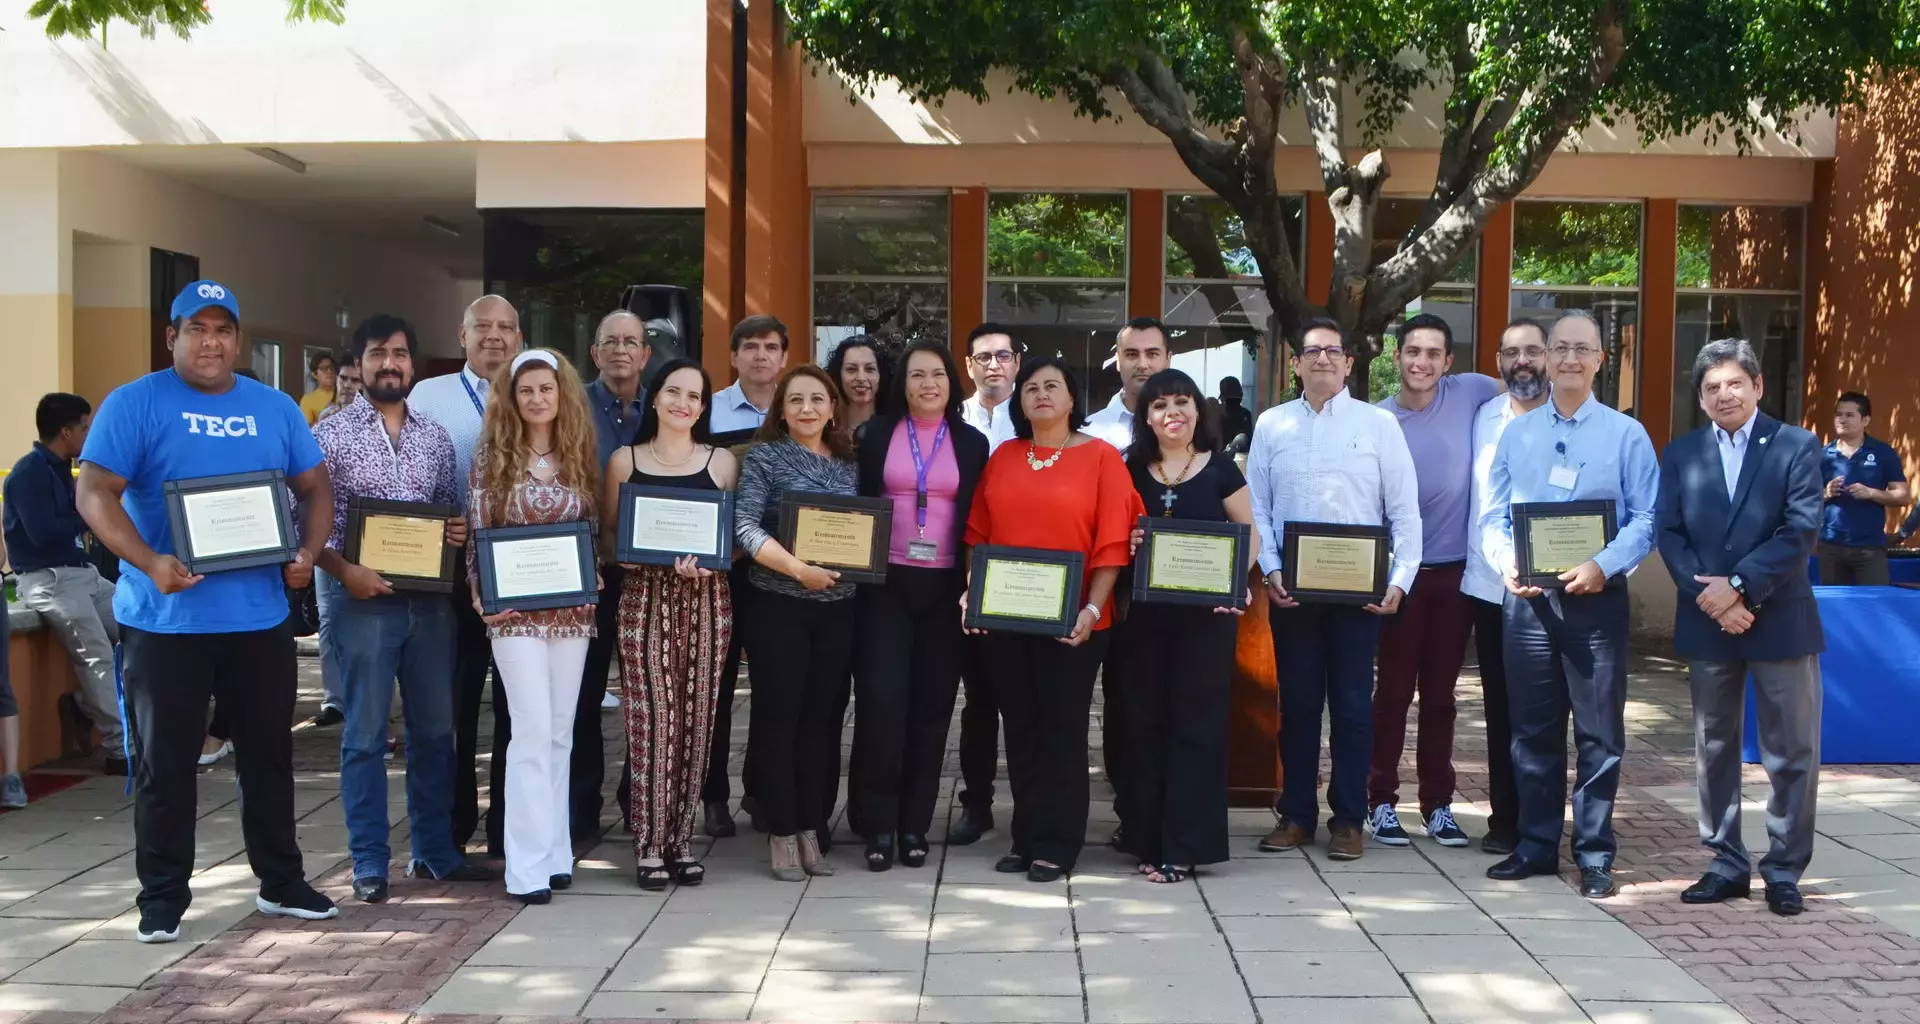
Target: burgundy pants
point(1421, 650)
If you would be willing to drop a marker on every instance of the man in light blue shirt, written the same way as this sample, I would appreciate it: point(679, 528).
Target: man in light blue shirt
point(1566, 644)
point(759, 354)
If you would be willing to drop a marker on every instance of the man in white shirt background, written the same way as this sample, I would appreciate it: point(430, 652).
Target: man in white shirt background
point(1523, 361)
point(1326, 457)
point(993, 360)
point(759, 347)
point(489, 335)
point(1138, 353)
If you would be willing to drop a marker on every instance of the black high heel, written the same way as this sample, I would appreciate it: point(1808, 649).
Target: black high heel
point(879, 852)
point(913, 850)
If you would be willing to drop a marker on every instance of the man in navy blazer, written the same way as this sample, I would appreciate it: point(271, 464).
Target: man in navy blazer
point(1738, 513)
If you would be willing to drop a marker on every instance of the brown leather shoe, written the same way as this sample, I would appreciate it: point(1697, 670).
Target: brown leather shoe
point(1345, 843)
point(1285, 836)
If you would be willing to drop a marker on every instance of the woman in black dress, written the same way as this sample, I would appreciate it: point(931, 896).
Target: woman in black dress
point(1181, 655)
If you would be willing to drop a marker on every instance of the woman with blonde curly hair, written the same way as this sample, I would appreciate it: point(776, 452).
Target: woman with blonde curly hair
point(537, 462)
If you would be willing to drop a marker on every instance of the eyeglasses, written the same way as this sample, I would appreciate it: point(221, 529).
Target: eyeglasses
point(1580, 352)
point(989, 358)
point(1316, 351)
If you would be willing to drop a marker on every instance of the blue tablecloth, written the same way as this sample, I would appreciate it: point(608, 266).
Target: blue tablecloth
point(1870, 675)
point(1899, 569)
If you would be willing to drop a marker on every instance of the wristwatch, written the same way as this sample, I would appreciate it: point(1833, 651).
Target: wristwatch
point(1738, 584)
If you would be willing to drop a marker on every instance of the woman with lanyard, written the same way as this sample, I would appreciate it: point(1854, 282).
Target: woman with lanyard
point(1056, 488)
point(926, 461)
point(675, 624)
point(799, 631)
point(1180, 656)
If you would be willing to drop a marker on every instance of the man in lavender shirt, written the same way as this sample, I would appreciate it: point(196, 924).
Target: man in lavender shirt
point(1422, 647)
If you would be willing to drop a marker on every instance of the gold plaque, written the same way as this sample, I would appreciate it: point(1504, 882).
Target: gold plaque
point(1558, 543)
point(1336, 563)
point(402, 545)
point(829, 537)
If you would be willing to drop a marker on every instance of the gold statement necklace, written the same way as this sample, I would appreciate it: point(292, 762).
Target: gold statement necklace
point(1036, 464)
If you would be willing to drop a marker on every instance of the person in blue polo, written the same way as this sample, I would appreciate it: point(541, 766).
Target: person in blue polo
point(186, 638)
point(1863, 479)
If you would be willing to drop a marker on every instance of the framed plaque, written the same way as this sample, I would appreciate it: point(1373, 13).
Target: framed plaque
point(1192, 561)
point(657, 525)
point(836, 531)
point(404, 541)
point(1550, 537)
point(1025, 590)
point(235, 521)
point(531, 568)
point(1334, 563)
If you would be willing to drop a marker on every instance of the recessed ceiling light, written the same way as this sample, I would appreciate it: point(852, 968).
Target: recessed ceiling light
point(268, 153)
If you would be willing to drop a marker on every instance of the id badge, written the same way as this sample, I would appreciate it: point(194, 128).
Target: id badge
point(923, 550)
point(1563, 477)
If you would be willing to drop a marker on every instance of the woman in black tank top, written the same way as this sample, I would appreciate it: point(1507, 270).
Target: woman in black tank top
point(675, 624)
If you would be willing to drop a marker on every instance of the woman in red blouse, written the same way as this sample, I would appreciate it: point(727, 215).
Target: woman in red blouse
point(1055, 488)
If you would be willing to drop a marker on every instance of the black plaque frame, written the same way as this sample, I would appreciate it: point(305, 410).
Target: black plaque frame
point(1236, 595)
point(581, 530)
point(358, 509)
point(1292, 531)
point(881, 509)
point(1523, 511)
point(1070, 604)
point(626, 554)
point(176, 492)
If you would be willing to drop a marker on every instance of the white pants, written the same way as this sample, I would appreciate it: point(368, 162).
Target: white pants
point(542, 678)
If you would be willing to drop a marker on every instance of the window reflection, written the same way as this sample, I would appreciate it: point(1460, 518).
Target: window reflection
point(1584, 256)
point(879, 268)
point(1739, 269)
point(1056, 268)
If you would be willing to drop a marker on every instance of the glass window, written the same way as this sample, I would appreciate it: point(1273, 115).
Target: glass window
point(1215, 309)
point(1451, 298)
point(879, 267)
point(1056, 268)
point(565, 269)
point(1207, 241)
point(266, 362)
point(1739, 276)
point(1584, 256)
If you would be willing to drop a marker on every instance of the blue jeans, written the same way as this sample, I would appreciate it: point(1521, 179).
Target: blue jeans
point(325, 597)
point(409, 636)
point(1324, 653)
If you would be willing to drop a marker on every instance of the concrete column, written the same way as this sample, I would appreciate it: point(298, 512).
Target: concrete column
point(36, 292)
point(112, 324)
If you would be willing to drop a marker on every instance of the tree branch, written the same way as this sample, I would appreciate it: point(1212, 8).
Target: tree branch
point(1320, 91)
point(1160, 102)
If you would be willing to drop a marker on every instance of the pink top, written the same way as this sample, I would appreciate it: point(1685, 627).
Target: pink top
point(901, 484)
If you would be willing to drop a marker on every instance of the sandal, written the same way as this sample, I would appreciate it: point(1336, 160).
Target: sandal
point(1164, 874)
point(653, 877)
point(913, 851)
point(879, 852)
point(687, 872)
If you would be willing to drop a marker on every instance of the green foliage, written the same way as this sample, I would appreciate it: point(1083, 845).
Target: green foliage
point(1577, 244)
point(81, 19)
point(1046, 234)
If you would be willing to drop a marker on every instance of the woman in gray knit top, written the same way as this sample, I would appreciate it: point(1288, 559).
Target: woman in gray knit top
point(799, 631)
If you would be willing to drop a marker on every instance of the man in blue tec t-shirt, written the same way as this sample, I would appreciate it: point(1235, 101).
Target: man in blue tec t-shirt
point(1863, 479)
point(187, 638)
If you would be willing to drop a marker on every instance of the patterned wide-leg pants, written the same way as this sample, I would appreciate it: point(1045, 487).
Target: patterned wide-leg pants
point(673, 640)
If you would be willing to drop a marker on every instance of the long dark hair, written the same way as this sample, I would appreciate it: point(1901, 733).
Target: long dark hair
point(894, 399)
point(774, 427)
point(1076, 419)
point(1145, 449)
point(837, 363)
point(650, 417)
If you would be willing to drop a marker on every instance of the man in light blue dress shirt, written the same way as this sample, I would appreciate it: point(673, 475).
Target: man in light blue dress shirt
point(1566, 645)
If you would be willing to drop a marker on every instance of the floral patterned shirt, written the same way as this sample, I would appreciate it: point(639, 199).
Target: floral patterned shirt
point(529, 503)
point(365, 462)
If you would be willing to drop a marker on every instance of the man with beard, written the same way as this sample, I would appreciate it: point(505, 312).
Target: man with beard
point(490, 335)
point(1523, 358)
point(379, 448)
point(1422, 647)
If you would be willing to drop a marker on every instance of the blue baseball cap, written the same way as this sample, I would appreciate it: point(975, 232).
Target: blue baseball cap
point(201, 295)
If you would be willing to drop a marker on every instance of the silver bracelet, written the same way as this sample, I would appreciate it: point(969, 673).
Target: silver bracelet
point(1094, 608)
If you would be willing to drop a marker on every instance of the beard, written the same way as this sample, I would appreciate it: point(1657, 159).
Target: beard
point(1525, 388)
point(387, 388)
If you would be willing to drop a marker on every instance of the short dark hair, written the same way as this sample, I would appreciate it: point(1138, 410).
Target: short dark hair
point(1726, 350)
point(895, 397)
point(993, 328)
point(650, 416)
point(754, 327)
point(1423, 322)
point(1076, 419)
point(1145, 447)
point(1142, 323)
point(1230, 384)
point(313, 363)
point(1860, 402)
point(1527, 321)
point(1320, 323)
point(58, 411)
point(379, 327)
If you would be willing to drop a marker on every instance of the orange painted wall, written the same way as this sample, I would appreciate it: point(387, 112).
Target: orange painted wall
point(966, 267)
point(1655, 358)
point(723, 284)
point(778, 203)
point(1146, 252)
point(1493, 289)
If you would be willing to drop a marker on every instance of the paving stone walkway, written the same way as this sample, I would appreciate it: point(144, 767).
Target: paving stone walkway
point(1401, 935)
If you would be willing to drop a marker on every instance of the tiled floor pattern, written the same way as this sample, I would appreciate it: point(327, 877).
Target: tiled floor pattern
point(1402, 935)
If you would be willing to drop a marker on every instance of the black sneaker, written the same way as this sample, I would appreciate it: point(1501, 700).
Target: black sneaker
point(115, 766)
point(158, 924)
point(301, 901)
point(1384, 825)
point(1444, 829)
point(329, 715)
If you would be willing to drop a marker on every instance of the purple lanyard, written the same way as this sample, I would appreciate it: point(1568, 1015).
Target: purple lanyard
point(922, 468)
point(477, 406)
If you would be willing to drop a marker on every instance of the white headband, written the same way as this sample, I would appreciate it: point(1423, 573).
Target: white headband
point(531, 355)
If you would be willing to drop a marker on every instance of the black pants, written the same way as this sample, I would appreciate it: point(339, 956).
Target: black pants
point(979, 728)
point(1046, 690)
point(588, 767)
point(1116, 734)
point(1488, 646)
point(717, 788)
point(836, 737)
point(1179, 674)
point(169, 677)
point(908, 678)
point(1567, 653)
point(472, 658)
point(801, 651)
